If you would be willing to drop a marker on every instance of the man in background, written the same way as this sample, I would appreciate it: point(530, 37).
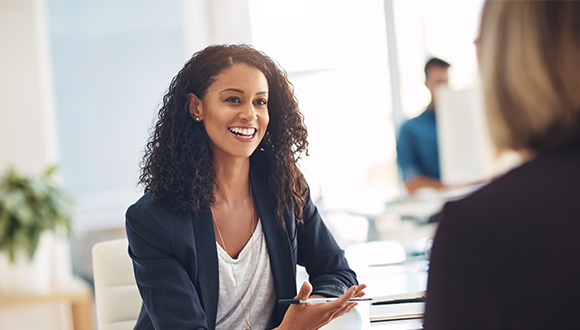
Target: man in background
point(417, 148)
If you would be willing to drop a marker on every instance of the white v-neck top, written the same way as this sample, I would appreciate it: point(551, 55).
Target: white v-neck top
point(257, 294)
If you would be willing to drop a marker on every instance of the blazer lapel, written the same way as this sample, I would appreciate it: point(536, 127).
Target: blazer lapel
point(282, 260)
point(208, 272)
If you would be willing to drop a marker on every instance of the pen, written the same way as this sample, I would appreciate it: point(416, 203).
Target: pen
point(317, 300)
point(399, 301)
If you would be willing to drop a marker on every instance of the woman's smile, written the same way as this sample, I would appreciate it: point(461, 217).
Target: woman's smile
point(244, 134)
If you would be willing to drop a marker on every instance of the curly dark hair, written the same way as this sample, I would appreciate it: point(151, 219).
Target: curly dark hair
point(177, 164)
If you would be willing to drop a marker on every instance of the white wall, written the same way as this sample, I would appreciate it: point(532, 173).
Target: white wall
point(27, 124)
point(113, 62)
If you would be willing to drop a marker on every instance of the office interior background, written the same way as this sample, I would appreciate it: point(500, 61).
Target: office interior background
point(81, 81)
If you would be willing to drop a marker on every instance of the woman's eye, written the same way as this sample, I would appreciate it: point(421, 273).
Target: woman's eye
point(261, 102)
point(233, 99)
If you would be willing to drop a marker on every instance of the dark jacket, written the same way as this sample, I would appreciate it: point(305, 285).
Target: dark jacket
point(508, 256)
point(176, 264)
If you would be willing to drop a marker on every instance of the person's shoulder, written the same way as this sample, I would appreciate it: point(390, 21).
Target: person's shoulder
point(418, 122)
point(531, 186)
point(531, 200)
point(427, 117)
point(548, 173)
point(409, 126)
point(566, 157)
point(412, 121)
point(495, 194)
point(147, 208)
point(147, 201)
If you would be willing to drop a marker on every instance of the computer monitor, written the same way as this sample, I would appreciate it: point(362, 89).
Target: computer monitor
point(466, 154)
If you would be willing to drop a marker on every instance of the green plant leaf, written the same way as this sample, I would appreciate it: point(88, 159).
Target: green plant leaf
point(30, 205)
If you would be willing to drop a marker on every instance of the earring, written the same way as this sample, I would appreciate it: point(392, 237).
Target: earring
point(197, 118)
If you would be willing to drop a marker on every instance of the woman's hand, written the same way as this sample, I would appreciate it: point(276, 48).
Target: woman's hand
point(314, 316)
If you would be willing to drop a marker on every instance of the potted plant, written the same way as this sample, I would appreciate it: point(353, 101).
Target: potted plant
point(30, 207)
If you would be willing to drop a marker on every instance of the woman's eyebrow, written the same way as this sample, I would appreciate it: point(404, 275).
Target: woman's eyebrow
point(232, 90)
point(240, 91)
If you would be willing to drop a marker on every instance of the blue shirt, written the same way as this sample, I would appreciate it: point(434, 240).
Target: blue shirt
point(417, 149)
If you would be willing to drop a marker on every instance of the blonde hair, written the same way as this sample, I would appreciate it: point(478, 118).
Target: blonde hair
point(529, 58)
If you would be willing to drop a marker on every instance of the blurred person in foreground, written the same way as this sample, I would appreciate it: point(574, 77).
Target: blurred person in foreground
point(227, 214)
point(417, 144)
point(508, 256)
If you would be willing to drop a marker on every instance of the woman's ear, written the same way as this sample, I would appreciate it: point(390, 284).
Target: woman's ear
point(195, 107)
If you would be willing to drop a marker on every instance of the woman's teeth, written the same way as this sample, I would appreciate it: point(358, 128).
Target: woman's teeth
point(243, 132)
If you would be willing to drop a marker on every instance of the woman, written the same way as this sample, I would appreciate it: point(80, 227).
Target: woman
point(508, 256)
point(227, 214)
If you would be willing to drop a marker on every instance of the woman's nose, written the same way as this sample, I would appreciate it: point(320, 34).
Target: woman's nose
point(248, 112)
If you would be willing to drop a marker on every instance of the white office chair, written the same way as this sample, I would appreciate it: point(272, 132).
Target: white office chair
point(116, 294)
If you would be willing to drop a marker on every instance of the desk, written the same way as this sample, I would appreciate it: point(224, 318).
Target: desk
point(353, 320)
point(386, 280)
point(77, 294)
point(419, 207)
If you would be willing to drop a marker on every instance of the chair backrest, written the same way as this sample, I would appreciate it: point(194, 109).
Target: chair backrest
point(117, 298)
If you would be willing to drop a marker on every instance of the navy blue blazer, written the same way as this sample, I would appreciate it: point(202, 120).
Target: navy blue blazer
point(176, 264)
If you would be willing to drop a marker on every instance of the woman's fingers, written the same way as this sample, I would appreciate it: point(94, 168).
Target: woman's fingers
point(342, 301)
point(313, 316)
point(342, 304)
point(343, 310)
point(359, 290)
point(305, 291)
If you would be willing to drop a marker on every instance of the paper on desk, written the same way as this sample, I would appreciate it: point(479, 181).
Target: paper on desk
point(397, 311)
point(356, 319)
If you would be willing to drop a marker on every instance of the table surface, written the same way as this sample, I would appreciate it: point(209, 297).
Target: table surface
point(409, 276)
